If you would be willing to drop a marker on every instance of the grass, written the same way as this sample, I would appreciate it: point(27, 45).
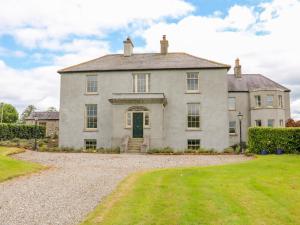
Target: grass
point(264, 191)
point(10, 167)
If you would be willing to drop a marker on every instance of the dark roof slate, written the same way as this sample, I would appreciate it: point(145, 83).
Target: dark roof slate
point(44, 116)
point(145, 61)
point(250, 82)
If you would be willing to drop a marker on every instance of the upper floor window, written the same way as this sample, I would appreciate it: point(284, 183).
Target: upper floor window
point(258, 123)
point(280, 104)
point(91, 84)
point(257, 101)
point(270, 123)
point(269, 100)
point(91, 116)
point(141, 82)
point(231, 103)
point(192, 82)
point(193, 115)
point(232, 127)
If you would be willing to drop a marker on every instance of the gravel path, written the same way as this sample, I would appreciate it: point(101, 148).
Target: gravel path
point(64, 194)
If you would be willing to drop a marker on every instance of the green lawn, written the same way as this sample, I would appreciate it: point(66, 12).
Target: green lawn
point(10, 168)
point(264, 191)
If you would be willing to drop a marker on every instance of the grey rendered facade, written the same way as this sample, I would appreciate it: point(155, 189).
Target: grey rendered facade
point(165, 102)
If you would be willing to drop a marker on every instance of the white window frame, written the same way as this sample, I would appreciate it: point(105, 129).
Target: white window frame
point(197, 78)
point(231, 109)
point(267, 101)
point(273, 122)
point(135, 82)
point(90, 140)
point(256, 97)
point(86, 118)
point(280, 101)
point(193, 145)
point(187, 116)
point(86, 84)
point(256, 122)
point(233, 121)
point(130, 114)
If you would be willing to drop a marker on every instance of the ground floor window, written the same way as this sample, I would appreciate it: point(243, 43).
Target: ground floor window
point(258, 123)
point(270, 123)
point(193, 117)
point(232, 127)
point(193, 143)
point(90, 144)
point(281, 123)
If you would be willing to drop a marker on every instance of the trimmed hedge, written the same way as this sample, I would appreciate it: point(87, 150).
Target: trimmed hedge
point(271, 139)
point(10, 131)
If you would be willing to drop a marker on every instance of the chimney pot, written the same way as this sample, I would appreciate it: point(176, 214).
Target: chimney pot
point(128, 47)
point(237, 69)
point(164, 44)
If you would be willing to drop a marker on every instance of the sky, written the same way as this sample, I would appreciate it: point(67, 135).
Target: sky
point(39, 37)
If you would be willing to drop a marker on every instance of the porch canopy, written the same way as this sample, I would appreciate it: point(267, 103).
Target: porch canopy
point(141, 98)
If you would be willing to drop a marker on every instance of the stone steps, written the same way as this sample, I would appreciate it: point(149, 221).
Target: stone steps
point(134, 145)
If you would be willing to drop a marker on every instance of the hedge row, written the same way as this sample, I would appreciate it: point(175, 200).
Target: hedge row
point(271, 139)
point(10, 131)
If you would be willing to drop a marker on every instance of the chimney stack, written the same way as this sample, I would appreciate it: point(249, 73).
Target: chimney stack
point(128, 47)
point(237, 69)
point(164, 44)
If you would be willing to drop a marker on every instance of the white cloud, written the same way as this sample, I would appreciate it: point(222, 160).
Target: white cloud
point(275, 55)
point(33, 21)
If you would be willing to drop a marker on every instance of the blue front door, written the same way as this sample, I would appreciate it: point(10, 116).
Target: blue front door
point(137, 125)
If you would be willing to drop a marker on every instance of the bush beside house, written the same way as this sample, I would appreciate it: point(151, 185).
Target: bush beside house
point(10, 131)
point(272, 139)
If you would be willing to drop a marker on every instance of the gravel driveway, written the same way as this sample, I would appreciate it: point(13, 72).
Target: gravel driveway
point(66, 193)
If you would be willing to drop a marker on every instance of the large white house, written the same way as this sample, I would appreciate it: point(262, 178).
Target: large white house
point(155, 100)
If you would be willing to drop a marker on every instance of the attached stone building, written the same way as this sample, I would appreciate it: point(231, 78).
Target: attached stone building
point(151, 100)
point(50, 120)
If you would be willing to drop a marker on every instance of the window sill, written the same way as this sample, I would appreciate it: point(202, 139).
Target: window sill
point(232, 110)
point(233, 134)
point(91, 93)
point(192, 92)
point(90, 130)
point(193, 129)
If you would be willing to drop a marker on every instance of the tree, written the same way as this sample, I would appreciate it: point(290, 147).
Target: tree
point(8, 113)
point(292, 123)
point(51, 109)
point(27, 112)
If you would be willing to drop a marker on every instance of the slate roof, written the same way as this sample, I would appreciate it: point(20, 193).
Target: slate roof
point(145, 61)
point(44, 116)
point(250, 82)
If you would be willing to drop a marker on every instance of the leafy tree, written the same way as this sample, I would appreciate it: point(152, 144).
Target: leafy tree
point(51, 109)
point(292, 123)
point(8, 113)
point(27, 112)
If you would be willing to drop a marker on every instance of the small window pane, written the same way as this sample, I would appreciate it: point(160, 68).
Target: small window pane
point(232, 127)
point(280, 101)
point(90, 144)
point(193, 143)
point(270, 123)
point(92, 84)
point(270, 100)
point(192, 82)
point(147, 120)
point(193, 115)
point(231, 103)
point(128, 119)
point(257, 101)
point(91, 116)
point(281, 123)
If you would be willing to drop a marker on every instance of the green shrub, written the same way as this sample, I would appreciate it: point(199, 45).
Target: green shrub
point(21, 131)
point(271, 139)
point(228, 150)
point(166, 150)
point(201, 151)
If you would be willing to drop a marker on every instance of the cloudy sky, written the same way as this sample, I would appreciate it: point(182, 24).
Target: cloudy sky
point(39, 37)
